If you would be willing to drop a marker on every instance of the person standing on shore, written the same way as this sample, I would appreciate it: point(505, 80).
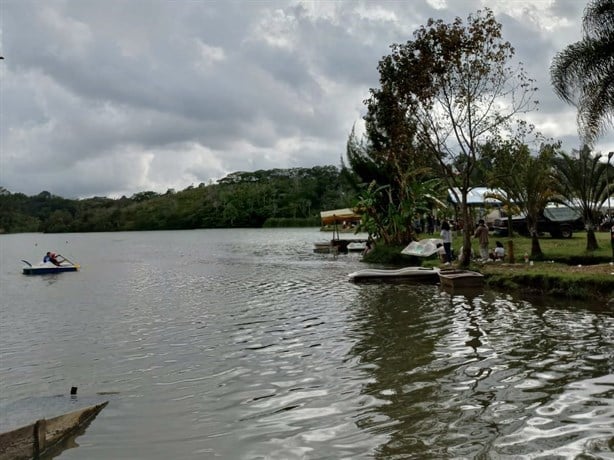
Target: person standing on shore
point(481, 233)
point(446, 236)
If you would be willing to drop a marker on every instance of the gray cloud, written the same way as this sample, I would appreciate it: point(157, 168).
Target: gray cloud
point(116, 97)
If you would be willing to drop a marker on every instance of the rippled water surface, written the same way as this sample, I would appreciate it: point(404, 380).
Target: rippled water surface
point(244, 344)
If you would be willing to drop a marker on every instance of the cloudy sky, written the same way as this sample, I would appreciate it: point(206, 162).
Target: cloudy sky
point(114, 97)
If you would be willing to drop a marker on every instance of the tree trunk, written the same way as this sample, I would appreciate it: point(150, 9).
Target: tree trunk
point(536, 250)
point(510, 252)
point(466, 255)
point(591, 239)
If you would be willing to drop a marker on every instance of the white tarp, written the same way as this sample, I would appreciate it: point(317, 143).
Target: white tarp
point(423, 248)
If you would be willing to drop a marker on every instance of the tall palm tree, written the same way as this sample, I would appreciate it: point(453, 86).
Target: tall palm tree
point(582, 183)
point(583, 73)
point(525, 182)
point(538, 189)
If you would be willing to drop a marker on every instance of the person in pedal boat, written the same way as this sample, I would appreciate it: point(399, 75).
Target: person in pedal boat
point(53, 258)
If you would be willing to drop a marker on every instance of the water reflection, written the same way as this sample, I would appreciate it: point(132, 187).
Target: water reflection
point(398, 334)
point(587, 413)
point(458, 375)
point(247, 345)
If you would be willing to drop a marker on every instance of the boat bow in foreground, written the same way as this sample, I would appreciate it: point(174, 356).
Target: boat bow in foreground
point(44, 437)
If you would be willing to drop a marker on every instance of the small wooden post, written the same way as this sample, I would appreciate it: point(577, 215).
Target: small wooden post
point(40, 437)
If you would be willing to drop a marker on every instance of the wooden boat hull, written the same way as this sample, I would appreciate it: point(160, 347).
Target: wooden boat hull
point(407, 273)
point(45, 435)
point(460, 279)
point(322, 248)
point(46, 270)
point(357, 246)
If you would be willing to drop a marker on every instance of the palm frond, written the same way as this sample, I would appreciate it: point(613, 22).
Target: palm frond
point(583, 73)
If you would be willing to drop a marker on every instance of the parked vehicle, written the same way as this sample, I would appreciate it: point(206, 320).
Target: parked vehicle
point(560, 222)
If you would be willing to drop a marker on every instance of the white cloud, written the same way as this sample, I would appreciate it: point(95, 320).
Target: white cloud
point(71, 37)
point(277, 29)
point(211, 53)
point(437, 4)
point(116, 97)
point(374, 12)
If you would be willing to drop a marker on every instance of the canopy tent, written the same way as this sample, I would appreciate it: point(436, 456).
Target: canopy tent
point(345, 216)
point(482, 196)
point(339, 215)
point(477, 196)
point(575, 203)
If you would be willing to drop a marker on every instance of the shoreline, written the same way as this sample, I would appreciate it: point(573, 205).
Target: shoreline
point(590, 282)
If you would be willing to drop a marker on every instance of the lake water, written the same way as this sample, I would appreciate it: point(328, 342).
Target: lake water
point(244, 344)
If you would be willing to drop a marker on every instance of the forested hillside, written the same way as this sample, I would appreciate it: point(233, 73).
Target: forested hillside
point(278, 197)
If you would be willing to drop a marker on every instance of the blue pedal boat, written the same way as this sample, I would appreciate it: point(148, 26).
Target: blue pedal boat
point(47, 268)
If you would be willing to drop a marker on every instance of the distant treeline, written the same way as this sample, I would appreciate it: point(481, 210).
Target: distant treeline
point(271, 198)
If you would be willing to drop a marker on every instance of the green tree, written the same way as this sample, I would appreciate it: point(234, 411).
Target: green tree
point(59, 221)
point(525, 182)
point(251, 198)
point(144, 196)
point(501, 175)
point(391, 185)
point(534, 189)
point(583, 73)
point(390, 220)
point(582, 183)
point(457, 85)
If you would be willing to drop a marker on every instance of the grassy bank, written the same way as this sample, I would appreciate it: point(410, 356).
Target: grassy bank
point(570, 250)
point(570, 281)
point(566, 269)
